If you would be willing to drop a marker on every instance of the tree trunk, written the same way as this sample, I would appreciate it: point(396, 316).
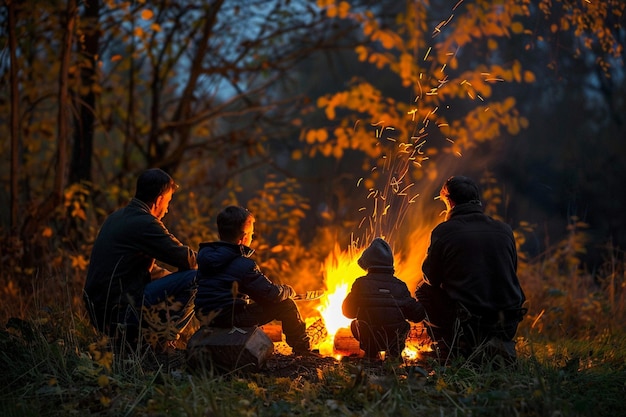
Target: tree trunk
point(80, 169)
point(43, 212)
point(14, 127)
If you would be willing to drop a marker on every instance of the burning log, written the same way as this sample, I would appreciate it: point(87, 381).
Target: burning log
point(345, 344)
point(274, 331)
point(229, 348)
point(317, 332)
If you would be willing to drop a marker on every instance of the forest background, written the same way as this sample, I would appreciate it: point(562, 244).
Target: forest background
point(333, 122)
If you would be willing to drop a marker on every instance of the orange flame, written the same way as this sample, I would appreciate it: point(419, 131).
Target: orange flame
point(340, 270)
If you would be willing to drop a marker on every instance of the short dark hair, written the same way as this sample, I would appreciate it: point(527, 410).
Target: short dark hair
point(230, 222)
point(461, 190)
point(152, 183)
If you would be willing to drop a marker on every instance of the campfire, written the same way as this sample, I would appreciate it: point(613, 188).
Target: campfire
point(330, 331)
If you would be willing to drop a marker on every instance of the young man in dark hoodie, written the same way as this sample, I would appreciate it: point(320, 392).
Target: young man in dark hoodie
point(471, 292)
point(381, 304)
point(232, 290)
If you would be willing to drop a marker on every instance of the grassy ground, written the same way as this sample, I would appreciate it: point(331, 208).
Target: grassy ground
point(55, 365)
point(572, 362)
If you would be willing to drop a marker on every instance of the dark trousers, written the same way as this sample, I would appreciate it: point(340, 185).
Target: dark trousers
point(390, 338)
point(457, 330)
point(167, 309)
point(258, 314)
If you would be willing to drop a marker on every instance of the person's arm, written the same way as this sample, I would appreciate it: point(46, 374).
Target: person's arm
point(157, 242)
point(260, 288)
point(349, 307)
point(432, 264)
point(411, 309)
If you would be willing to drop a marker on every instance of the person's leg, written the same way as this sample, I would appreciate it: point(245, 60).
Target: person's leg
point(396, 339)
point(169, 304)
point(363, 333)
point(286, 312)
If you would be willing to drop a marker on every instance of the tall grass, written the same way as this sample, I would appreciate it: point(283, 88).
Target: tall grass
point(572, 361)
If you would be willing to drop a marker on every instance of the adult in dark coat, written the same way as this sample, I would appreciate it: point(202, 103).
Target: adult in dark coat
point(381, 304)
point(471, 292)
point(232, 290)
point(123, 275)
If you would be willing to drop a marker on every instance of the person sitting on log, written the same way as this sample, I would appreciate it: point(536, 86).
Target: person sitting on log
point(381, 304)
point(232, 290)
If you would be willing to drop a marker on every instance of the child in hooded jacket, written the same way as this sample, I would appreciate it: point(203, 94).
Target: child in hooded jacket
point(381, 304)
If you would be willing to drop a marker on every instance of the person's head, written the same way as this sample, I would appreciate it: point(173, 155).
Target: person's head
point(235, 225)
point(377, 255)
point(155, 188)
point(459, 190)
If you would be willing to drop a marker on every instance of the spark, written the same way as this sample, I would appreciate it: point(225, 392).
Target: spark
point(419, 146)
point(362, 209)
point(403, 192)
point(386, 209)
point(361, 222)
point(457, 5)
point(457, 153)
point(404, 147)
point(532, 326)
point(442, 125)
point(359, 181)
point(395, 184)
point(449, 140)
point(412, 200)
point(443, 67)
point(427, 53)
point(480, 97)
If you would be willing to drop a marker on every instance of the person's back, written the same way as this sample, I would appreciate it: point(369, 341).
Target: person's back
point(228, 278)
point(480, 261)
point(123, 276)
point(471, 292)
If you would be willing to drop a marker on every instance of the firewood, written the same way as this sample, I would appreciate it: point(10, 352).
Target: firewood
point(229, 348)
point(345, 344)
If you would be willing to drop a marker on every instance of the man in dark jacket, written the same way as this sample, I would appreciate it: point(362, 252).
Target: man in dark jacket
point(232, 290)
point(471, 293)
point(381, 304)
point(123, 275)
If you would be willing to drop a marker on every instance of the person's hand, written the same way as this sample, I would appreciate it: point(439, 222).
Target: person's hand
point(288, 292)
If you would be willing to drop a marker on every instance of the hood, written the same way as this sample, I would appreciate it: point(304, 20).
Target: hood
point(377, 255)
point(216, 255)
